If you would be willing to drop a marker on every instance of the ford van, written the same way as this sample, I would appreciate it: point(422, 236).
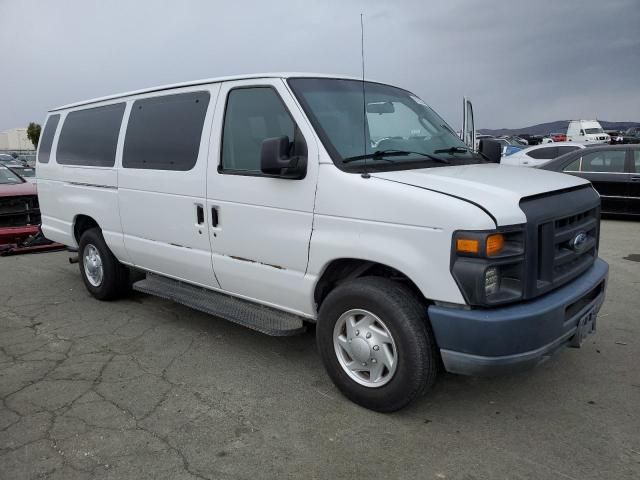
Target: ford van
point(282, 200)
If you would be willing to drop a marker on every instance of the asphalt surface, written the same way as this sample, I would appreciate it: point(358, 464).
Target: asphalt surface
point(143, 388)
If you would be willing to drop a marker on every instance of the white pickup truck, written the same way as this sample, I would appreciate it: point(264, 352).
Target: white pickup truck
point(280, 200)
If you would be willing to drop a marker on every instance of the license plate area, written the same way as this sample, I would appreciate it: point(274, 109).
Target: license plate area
point(586, 326)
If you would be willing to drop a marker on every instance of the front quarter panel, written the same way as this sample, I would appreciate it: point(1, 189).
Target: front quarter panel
point(401, 226)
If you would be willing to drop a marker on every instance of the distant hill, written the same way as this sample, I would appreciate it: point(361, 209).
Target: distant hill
point(559, 126)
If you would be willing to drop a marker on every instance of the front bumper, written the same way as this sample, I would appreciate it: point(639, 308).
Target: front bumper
point(499, 340)
point(12, 235)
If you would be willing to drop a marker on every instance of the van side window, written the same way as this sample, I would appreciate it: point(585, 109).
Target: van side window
point(252, 115)
point(164, 132)
point(89, 137)
point(636, 160)
point(47, 138)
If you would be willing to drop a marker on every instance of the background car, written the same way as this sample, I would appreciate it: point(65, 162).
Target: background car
point(509, 147)
point(20, 212)
point(558, 137)
point(26, 172)
point(629, 136)
point(614, 171)
point(540, 154)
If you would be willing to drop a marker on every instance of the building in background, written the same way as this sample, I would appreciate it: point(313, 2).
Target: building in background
point(15, 139)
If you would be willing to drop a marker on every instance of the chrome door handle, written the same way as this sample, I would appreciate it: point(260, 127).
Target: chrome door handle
point(199, 214)
point(214, 216)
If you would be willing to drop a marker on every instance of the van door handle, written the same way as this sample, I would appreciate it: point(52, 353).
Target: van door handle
point(200, 214)
point(635, 179)
point(214, 216)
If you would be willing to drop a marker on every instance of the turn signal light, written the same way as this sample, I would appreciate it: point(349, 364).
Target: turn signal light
point(467, 245)
point(495, 244)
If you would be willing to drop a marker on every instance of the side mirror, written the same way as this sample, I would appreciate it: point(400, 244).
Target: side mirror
point(275, 159)
point(491, 149)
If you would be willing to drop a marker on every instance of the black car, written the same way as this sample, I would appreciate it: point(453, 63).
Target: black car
point(614, 171)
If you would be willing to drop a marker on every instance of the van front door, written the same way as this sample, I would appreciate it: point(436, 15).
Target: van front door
point(162, 183)
point(260, 225)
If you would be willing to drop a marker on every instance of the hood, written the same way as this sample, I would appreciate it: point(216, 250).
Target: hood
point(496, 188)
point(17, 189)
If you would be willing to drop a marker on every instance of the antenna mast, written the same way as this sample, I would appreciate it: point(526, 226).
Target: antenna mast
point(365, 174)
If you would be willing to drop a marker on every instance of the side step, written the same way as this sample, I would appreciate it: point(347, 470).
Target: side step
point(258, 317)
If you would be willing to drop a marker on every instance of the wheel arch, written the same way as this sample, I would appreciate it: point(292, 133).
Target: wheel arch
point(82, 223)
point(340, 270)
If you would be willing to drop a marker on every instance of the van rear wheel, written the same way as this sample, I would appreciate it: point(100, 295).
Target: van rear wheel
point(376, 343)
point(103, 275)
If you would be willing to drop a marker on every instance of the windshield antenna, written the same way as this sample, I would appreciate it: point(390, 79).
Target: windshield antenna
point(365, 174)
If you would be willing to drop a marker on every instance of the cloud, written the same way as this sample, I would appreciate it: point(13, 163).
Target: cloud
point(522, 62)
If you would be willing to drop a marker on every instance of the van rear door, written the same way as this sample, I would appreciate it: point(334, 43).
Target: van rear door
point(162, 183)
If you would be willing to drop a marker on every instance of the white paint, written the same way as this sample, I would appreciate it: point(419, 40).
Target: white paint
point(276, 237)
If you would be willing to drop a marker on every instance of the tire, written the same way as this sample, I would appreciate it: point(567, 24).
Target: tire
point(403, 314)
point(114, 281)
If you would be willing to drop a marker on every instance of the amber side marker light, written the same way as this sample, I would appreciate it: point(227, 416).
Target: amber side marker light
point(495, 244)
point(467, 245)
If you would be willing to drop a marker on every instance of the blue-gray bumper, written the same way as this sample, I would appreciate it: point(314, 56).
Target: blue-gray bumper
point(498, 340)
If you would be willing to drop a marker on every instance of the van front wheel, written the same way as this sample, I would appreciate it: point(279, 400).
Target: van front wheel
point(376, 343)
point(103, 275)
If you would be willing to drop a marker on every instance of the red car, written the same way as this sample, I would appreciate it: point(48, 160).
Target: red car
point(19, 209)
point(559, 137)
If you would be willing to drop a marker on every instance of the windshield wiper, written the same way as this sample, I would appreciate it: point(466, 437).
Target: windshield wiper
point(452, 150)
point(380, 154)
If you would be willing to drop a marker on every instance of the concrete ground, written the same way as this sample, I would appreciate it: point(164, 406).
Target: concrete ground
point(144, 388)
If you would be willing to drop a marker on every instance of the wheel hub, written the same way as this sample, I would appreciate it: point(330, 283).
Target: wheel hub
point(92, 263)
point(365, 348)
point(360, 350)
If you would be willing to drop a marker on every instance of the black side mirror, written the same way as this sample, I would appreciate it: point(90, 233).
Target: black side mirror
point(491, 149)
point(275, 159)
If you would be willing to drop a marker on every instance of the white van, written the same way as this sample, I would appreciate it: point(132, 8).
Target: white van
point(268, 201)
point(586, 131)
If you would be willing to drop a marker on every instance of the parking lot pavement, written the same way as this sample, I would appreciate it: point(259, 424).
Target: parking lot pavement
point(144, 388)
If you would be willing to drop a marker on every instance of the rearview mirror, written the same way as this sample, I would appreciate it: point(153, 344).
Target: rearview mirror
point(380, 107)
point(275, 159)
point(491, 149)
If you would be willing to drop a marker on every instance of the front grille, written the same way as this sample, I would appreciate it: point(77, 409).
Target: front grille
point(554, 221)
point(19, 211)
point(558, 259)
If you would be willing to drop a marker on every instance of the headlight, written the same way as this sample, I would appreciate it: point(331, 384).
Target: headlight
point(488, 265)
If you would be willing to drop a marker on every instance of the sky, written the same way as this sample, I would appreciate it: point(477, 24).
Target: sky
point(522, 62)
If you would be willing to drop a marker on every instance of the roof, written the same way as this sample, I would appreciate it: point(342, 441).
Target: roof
point(202, 82)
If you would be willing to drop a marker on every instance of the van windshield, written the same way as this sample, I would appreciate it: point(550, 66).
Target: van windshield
point(593, 130)
point(390, 121)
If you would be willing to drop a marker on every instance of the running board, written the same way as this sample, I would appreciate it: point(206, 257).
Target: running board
point(248, 314)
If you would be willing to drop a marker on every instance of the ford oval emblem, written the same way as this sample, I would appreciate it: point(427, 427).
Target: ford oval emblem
point(579, 241)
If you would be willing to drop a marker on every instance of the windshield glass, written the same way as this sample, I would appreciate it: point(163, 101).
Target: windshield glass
point(593, 130)
point(8, 177)
point(395, 121)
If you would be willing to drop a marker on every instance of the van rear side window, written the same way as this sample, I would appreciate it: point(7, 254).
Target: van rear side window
point(47, 138)
point(89, 137)
point(164, 132)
